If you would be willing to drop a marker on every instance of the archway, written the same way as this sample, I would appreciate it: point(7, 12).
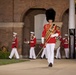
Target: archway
point(28, 20)
point(65, 20)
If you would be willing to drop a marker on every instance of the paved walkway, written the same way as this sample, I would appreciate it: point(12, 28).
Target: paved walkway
point(40, 67)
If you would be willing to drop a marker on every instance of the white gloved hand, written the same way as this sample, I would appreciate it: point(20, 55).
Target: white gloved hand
point(42, 40)
point(54, 35)
point(13, 42)
point(28, 42)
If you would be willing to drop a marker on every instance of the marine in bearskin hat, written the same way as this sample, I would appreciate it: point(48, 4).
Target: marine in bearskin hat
point(50, 33)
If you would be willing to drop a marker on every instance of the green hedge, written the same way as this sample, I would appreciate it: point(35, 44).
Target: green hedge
point(4, 55)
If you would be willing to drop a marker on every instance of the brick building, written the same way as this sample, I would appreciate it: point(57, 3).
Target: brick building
point(19, 16)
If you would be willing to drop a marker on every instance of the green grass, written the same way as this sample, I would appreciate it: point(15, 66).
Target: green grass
point(10, 61)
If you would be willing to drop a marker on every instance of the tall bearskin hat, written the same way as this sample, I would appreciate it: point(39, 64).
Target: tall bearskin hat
point(50, 14)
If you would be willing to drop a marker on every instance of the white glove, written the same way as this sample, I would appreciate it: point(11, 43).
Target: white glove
point(13, 42)
point(54, 35)
point(42, 40)
point(28, 42)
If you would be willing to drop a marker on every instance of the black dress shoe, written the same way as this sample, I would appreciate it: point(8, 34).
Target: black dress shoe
point(30, 58)
point(66, 58)
point(41, 58)
point(50, 65)
point(55, 57)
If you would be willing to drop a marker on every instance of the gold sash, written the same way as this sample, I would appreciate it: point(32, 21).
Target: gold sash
point(51, 29)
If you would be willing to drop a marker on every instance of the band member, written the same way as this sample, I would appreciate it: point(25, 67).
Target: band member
point(14, 46)
point(44, 52)
point(32, 43)
point(50, 38)
point(58, 54)
point(66, 46)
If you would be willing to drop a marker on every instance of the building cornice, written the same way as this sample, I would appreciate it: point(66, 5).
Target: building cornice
point(11, 24)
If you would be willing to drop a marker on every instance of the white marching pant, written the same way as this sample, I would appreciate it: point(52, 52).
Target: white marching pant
point(50, 52)
point(32, 53)
point(44, 53)
point(58, 55)
point(14, 51)
point(66, 52)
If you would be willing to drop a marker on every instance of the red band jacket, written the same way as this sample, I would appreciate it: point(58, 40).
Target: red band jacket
point(50, 39)
point(15, 43)
point(33, 42)
point(66, 44)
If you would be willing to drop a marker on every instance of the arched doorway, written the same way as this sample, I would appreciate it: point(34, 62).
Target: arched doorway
point(65, 20)
point(28, 20)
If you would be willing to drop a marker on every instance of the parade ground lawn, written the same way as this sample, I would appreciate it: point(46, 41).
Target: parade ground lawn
point(11, 61)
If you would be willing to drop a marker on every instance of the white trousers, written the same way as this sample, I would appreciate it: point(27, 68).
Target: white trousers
point(14, 51)
point(32, 53)
point(44, 53)
point(66, 52)
point(58, 55)
point(50, 52)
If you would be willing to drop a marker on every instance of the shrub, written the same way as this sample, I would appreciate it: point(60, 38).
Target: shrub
point(4, 49)
point(4, 55)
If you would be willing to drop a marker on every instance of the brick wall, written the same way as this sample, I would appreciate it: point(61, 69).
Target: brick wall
point(21, 6)
point(6, 11)
point(15, 10)
point(6, 35)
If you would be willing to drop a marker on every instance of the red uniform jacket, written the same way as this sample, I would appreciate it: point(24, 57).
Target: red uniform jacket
point(66, 44)
point(50, 39)
point(62, 42)
point(33, 42)
point(15, 43)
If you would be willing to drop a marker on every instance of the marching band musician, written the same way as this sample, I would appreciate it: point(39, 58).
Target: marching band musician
point(51, 40)
point(58, 54)
point(14, 46)
point(32, 43)
point(66, 46)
